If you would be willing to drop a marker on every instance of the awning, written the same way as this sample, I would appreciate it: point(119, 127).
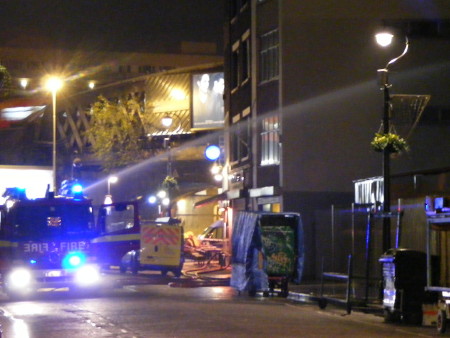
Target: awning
point(215, 198)
point(19, 109)
point(24, 102)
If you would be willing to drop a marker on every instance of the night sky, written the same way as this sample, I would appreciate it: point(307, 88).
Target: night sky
point(123, 25)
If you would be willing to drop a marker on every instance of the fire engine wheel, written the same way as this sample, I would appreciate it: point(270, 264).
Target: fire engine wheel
point(177, 272)
point(134, 269)
point(164, 272)
point(134, 265)
point(391, 317)
point(441, 324)
point(122, 269)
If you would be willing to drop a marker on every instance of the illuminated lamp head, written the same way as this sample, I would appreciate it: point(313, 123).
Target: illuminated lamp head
point(212, 152)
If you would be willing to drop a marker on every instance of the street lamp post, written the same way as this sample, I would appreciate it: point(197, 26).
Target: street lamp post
point(111, 179)
point(384, 39)
point(167, 122)
point(108, 197)
point(53, 85)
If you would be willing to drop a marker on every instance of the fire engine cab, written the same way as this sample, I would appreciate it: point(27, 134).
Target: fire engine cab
point(45, 242)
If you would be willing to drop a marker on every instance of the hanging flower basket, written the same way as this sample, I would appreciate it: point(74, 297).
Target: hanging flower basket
point(393, 143)
point(170, 183)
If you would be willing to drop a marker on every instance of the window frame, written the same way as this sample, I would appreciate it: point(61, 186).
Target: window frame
point(269, 45)
point(270, 141)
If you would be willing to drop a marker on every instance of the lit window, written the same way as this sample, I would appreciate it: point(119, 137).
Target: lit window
point(270, 141)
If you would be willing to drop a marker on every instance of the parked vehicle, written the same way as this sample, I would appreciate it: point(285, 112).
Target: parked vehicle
point(161, 248)
point(214, 235)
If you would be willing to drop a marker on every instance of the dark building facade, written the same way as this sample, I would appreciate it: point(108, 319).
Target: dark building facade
point(303, 104)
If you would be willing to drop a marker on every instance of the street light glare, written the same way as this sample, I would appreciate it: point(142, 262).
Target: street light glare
point(24, 83)
point(161, 194)
point(177, 94)
point(108, 199)
point(113, 179)
point(54, 84)
point(384, 39)
point(166, 121)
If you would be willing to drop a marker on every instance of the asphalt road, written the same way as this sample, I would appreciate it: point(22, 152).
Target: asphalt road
point(149, 307)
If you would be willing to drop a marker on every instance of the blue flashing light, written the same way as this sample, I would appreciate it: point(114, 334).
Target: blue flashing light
point(77, 188)
point(16, 193)
point(33, 261)
point(77, 191)
point(74, 260)
point(212, 152)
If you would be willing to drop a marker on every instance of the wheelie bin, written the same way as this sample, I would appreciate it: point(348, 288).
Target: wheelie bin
point(267, 252)
point(404, 281)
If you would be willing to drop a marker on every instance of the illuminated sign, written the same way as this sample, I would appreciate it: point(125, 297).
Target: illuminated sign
point(207, 100)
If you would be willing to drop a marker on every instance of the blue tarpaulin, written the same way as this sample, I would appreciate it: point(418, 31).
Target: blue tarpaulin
point(265, 245)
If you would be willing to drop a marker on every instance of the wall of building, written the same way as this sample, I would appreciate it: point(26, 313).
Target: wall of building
point(332, 104)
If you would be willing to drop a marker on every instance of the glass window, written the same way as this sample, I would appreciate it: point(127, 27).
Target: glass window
point(240, 140)
point(234, 5)
point(59, 220)
point(244, 138)
point(119, 219)
point(234, 69)
point(245, 59)
point(270, 141)
point(269, 56)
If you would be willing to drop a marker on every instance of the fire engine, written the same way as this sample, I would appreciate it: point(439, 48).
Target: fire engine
point(46, 242)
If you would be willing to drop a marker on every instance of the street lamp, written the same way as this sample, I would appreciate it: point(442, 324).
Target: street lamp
point(384, 39)
point(111, 179)
point(167, 121)
point(53, 85)
point(108, 197)
point(24, 83)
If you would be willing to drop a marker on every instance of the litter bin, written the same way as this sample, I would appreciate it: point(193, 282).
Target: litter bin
point(404, 281)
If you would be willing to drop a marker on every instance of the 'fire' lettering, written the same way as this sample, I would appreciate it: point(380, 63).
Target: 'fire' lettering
point(32, 247)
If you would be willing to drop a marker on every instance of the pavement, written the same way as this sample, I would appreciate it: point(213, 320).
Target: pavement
point(196, 274)
point(211, 273)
